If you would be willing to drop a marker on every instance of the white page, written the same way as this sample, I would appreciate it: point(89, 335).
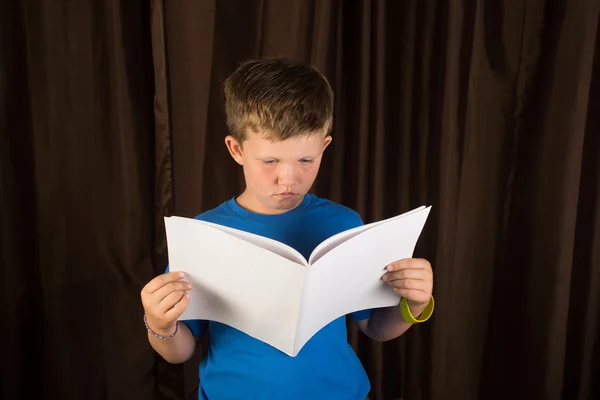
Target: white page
point(348, 277)
point(333, 241)
point(236, 282)
point(269, 244)
point(341, 237)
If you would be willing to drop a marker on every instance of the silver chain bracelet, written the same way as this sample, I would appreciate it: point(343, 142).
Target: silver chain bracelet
point(161, 336)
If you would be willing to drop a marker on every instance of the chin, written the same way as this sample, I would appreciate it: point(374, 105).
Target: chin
point(286, 203)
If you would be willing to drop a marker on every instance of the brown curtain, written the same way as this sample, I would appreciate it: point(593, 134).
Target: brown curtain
point(78, 200)
point(111, 117)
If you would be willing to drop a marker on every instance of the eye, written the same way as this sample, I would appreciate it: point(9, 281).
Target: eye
point(305, 161)
point(269, 162)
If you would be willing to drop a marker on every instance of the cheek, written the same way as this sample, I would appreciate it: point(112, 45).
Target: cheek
point(309, 172)
point(261, 174)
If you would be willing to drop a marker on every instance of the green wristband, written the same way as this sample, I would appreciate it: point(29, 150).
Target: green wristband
point(407, 315)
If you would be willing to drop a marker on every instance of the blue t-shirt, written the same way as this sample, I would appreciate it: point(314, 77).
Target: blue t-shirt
point(240, 367)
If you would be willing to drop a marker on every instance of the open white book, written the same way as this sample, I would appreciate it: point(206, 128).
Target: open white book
point(271, 292)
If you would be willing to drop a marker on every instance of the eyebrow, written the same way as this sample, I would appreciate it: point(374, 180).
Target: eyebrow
point(277, 158)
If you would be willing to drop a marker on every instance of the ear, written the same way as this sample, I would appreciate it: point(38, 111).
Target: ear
point(235, 149)
point(327, 141)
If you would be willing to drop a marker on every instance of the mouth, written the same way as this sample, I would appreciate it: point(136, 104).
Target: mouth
point(285, 195)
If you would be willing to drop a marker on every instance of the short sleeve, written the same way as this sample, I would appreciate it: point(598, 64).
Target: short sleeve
point(196, 326)
point(361, 315)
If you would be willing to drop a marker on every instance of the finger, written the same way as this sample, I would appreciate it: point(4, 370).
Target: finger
point(169, 288)
point(408, 273)
point(412, 284)
point(413, 295)
point(162, 280)
point(417, 263)
point(169, 302)
point(179, 307)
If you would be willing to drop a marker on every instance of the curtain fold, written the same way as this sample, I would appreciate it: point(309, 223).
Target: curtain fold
point(76, 199)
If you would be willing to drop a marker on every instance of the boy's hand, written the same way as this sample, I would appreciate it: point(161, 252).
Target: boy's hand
point(411, 278)
point(165, 298)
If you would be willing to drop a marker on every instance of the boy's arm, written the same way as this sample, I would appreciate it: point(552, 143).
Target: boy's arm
point(410, 278)
point(175, 350)
point(165, 298)
point(387, 323)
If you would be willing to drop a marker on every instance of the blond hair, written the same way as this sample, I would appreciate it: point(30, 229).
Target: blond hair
point(278, 98)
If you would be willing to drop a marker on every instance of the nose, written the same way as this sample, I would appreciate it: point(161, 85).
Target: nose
point(287, 175)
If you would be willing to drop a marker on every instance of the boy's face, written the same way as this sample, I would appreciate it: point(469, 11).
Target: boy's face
point(278, 173)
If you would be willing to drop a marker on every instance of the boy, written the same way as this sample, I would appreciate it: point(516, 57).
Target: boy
point(279, 114)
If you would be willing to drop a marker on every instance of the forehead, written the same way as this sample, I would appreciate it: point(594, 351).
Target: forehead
point(297, 146)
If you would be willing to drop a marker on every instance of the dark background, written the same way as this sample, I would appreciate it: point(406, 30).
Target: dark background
point(111, 117)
